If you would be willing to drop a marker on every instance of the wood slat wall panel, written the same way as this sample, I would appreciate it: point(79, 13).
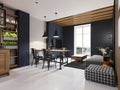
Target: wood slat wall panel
point(91, 16)
point(84, 21)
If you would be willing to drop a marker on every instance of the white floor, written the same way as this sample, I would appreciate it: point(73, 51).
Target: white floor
point(32, 78)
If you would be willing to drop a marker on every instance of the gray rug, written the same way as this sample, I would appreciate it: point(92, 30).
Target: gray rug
point(79, 65)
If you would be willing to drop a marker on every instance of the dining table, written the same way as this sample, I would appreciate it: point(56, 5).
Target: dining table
point(61, 57)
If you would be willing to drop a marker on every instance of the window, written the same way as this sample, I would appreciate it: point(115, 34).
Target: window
point(82, 39)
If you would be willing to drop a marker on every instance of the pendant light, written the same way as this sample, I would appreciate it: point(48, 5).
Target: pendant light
point(55, 35)
point(45, 31)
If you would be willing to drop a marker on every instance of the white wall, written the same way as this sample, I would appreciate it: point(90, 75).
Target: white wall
point(36, 32)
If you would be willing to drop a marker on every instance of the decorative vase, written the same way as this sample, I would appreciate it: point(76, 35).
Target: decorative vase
point(106, 57)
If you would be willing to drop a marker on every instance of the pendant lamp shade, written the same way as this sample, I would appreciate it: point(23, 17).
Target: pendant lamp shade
point(55, 35)
point(45, 35)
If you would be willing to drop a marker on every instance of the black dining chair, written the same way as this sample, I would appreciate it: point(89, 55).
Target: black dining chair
point(48, 58)
point(36, 56)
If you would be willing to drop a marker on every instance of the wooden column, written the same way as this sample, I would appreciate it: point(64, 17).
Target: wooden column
point(117, 49)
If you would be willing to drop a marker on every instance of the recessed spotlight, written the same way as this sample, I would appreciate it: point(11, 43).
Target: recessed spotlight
point(36, 2)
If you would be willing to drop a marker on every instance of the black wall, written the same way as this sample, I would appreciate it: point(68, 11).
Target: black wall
point(23, 38)
point(51, 28)
point(102, 35)
point(68, 39)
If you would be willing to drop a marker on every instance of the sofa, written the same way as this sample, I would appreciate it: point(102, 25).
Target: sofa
point(95, 59)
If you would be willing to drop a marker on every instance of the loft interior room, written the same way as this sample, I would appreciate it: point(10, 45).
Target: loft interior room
point(49, 45)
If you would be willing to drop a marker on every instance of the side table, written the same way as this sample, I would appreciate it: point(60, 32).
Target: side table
point(107, 63)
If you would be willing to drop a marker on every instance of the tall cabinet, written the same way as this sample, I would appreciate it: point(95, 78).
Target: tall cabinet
point(14, 36)
point(10, 36)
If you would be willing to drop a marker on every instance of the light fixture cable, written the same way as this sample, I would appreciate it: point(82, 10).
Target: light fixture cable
point(45, 30)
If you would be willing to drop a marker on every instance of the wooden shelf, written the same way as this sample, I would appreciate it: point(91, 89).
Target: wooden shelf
point(13, 56)
point(11, 23)
point(10, 40)
point(10, 31)
point(13, 65)
point(2, 26)
point(1, 17)
point(12, 15)
point(12, 48)
point(2, 8)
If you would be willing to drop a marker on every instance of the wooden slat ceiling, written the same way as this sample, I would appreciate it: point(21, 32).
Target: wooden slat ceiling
point(87, 17)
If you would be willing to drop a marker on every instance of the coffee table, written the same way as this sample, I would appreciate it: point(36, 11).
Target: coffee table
point(79, 57)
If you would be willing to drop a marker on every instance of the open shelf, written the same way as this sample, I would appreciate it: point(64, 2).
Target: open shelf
point(10, 38)
point(10, 31)
point(12, 15)
point(1, 26)
point(13, 65)
point(12, 48)
point(1, 17)
point(11, 23)
point(13, 56)
point(9, 34)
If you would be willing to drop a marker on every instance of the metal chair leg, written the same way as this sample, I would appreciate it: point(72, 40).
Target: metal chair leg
point(55, 63)
point(48, 64)
point(43, 64)
point(36, 63)
point(32, 62)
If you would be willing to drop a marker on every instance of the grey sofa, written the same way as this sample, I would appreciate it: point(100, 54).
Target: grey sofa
point(95, 59)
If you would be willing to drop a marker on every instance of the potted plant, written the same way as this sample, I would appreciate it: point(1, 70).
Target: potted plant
point(106, 52)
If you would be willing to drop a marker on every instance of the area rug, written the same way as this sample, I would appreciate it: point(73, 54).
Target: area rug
point(79, 65)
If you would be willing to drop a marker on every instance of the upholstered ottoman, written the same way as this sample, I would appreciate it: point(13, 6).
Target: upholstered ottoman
point(100, 74)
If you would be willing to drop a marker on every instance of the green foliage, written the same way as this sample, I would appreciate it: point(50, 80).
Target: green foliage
point(104, 51)
point(9, 43)
point(10, 34)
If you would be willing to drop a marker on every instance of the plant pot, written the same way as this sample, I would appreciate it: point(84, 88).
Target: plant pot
point(106, 57)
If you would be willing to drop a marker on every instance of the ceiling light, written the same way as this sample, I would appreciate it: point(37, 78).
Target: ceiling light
point(36, 2)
